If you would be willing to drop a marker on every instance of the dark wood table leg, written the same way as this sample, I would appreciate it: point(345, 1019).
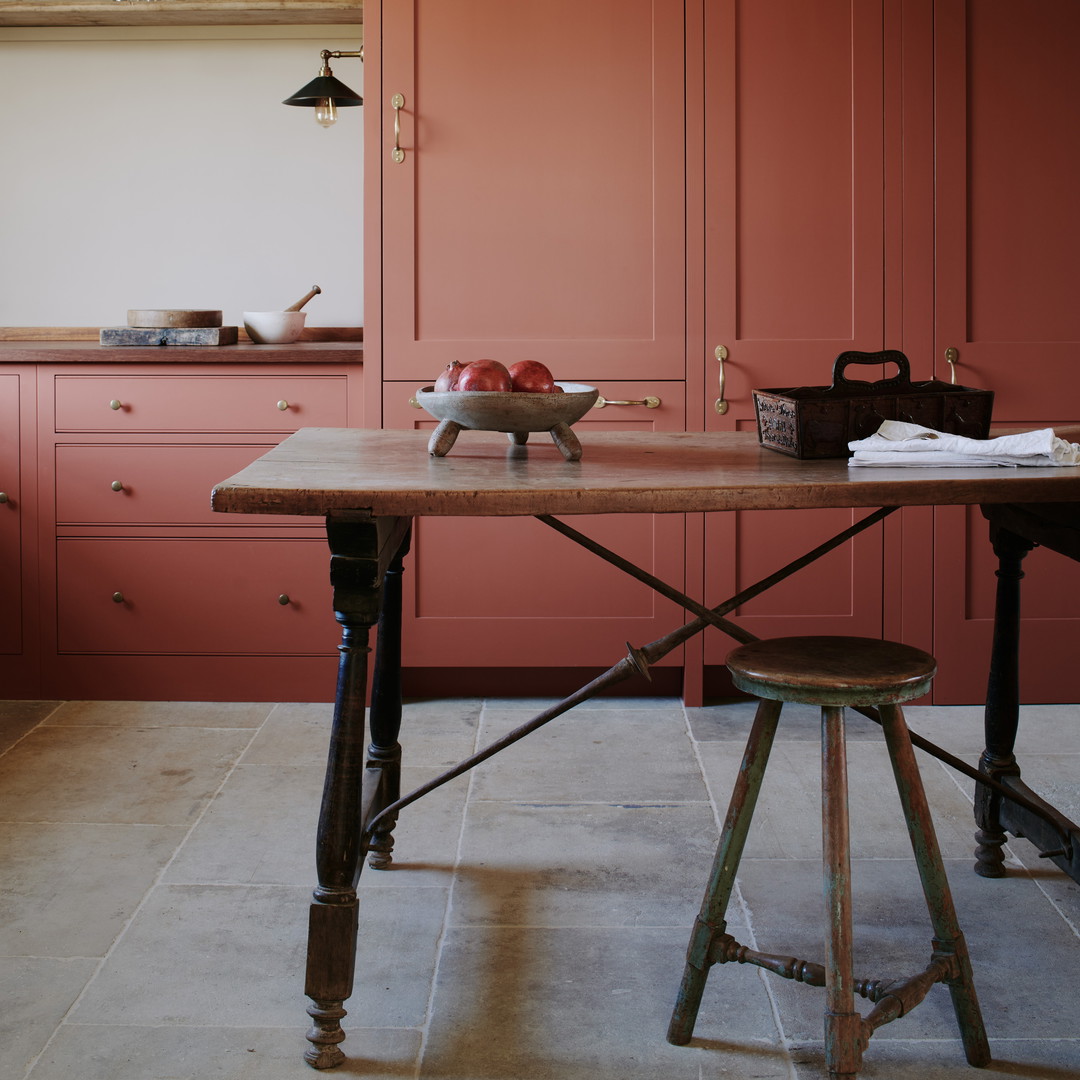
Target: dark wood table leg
point(1002, 715)
point(1056, 837)
point(362, 551)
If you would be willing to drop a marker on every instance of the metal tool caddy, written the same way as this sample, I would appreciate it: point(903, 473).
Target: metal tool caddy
point(819, 421)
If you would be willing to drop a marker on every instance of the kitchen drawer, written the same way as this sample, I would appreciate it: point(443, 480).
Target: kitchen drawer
point(233, 403)
point(136, 484)
point(194, 597)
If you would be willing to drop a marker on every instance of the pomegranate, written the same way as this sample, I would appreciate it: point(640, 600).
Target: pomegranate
point(531, 377)
point(484, 375)
point(448, 378)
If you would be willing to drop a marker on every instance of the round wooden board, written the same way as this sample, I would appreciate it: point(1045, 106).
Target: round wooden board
point(162, 318)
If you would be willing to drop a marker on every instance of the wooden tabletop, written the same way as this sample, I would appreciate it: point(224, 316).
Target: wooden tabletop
point(390, 473)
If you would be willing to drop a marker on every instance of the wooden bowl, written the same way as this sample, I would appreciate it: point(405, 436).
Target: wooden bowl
point(515, 413)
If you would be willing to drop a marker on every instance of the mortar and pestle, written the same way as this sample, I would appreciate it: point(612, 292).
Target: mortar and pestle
point(278, 327)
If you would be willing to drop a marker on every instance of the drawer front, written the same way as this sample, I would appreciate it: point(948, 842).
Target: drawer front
point(150, 485)
point(195, 597)
point(210, 403)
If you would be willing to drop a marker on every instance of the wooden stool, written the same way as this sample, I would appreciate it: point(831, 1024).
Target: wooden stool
point(834, 672)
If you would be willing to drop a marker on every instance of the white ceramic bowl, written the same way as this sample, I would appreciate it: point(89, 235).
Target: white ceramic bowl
point(274, 327)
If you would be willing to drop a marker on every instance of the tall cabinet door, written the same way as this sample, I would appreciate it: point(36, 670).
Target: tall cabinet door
point(794, 272)
point(534, 208)
point(1008, 230)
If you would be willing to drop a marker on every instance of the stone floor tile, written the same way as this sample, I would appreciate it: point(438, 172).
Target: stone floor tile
point(931, 1059)
point(577, 1004)
point(162, 776)
point(787, 819)
point(36, 992)
point(155, 714)
point(798, 723)
point(68, 890)
point(233, 956)
point(261, 829)
point(588, 865)
point(19, 717)
point(433, 733)
point(1005, 922)
point(603, 755)
point(85, 1052)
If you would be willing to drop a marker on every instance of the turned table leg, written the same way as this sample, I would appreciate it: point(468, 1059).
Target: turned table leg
point(363, 550)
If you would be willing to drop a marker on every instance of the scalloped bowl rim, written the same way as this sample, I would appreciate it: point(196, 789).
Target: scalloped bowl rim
point(508, 411)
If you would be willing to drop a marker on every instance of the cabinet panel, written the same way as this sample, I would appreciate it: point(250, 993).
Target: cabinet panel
point(159, 485)
point(1008, 221)
point(510, 592)
point(538, 211)
point(194, 597)
point(794, 191)
point(124, 402)
point(11, 590)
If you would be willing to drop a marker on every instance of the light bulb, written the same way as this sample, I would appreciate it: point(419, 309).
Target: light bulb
point(325, 111)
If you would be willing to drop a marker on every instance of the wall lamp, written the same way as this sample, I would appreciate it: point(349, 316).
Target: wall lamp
point(324, 93)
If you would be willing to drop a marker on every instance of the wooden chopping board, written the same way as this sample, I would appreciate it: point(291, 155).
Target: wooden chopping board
point(165, 318)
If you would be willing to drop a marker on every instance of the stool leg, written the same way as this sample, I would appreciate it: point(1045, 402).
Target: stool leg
point(949, 940)
point(711, 923)
point(844, 1038)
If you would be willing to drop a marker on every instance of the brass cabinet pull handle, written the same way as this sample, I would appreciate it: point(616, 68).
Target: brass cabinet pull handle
point(283, 405)
point(397, 155)
point(284, 600)
point(115, 404)
point(951, 356)
point(720, 404)
point(118, 597)
point(649, 402)
point(116, 485)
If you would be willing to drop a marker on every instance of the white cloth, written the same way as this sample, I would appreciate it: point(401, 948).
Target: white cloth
point(896, 443)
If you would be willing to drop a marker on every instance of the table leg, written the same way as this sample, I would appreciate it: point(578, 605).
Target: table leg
point(362, 551)
point(1002, 715)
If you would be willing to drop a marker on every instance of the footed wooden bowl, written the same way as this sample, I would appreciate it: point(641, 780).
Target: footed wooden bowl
point(515, 413)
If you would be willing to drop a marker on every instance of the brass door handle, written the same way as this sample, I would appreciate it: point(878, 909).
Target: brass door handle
point(720, 404)
point(649, 402)
point(951, 356)
point(397, 155)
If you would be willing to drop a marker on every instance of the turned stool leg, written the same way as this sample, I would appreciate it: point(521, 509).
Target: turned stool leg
point(844, 1042)
point(711, 923)
point(949, 939)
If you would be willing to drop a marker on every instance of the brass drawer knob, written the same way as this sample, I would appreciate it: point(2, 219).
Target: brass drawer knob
point(4, 497)
point(283, 405)
point(117, 597)
point(115, 404)
point(116, 485)
point(284, 600)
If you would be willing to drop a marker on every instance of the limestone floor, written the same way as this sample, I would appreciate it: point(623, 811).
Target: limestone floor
point(156, 863)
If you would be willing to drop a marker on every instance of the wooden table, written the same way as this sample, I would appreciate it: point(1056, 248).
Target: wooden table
point(369, 485)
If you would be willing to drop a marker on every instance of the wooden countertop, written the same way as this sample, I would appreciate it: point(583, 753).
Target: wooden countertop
point(390, 473)
point(88, 352)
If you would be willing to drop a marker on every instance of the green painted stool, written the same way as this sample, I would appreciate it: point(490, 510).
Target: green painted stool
point(835, 672)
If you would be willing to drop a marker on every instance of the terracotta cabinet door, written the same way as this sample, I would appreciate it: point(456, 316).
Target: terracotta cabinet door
point(794, 271)
point(1008, 229)
point(511, 592)
point(536, 208)
point(10, 517)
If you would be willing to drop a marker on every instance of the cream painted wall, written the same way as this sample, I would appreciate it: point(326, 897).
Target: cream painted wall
point(157, 168)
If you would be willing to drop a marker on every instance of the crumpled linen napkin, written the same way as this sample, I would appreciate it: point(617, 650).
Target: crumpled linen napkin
point(898, 444)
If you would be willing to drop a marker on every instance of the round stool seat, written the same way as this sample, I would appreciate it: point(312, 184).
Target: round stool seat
point(822, 670)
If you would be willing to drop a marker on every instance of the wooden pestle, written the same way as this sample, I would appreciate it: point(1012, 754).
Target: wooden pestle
point(315, 290)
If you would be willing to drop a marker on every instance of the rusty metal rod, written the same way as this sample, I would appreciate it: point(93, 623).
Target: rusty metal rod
point(638, 660)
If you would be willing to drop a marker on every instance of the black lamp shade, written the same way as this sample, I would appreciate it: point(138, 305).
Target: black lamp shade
point(321, 87)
